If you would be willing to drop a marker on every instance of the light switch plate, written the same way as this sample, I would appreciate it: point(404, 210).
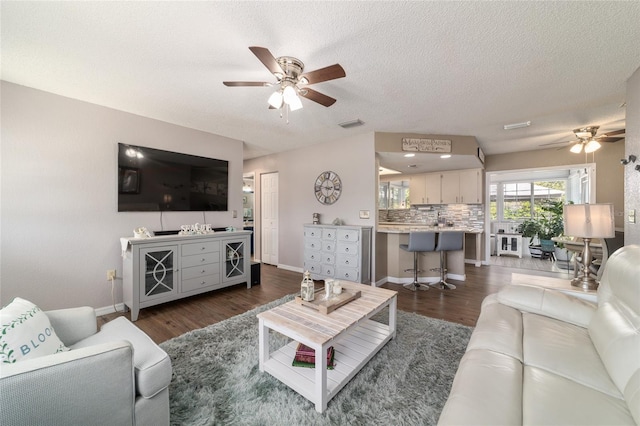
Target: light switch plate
point(632, 216)
point(364, 214)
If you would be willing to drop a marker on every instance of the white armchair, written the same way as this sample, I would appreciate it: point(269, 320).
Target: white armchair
point(115, 376)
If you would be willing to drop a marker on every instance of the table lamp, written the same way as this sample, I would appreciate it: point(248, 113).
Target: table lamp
point(588, 221)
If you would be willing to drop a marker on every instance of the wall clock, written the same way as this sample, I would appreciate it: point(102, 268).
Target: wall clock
point(328, 187)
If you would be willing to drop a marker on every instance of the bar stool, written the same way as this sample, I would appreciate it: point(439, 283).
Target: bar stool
point(418, 242)
point(447, 241)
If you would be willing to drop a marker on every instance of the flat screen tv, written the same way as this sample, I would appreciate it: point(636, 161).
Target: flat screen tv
point(156, 180)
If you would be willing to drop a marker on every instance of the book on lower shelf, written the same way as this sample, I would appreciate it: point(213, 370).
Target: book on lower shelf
point(306, 357)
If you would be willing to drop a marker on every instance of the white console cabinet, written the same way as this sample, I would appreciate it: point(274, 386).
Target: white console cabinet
point(341, 252)
point(161, 269)
point(509, 244)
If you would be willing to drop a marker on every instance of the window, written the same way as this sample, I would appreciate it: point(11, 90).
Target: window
point(516, 201)
point(393, 195)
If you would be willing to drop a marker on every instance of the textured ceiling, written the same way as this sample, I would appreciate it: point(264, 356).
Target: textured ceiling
point(464, 68)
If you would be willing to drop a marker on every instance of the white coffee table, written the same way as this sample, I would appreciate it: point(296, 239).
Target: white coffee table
point(354, 336)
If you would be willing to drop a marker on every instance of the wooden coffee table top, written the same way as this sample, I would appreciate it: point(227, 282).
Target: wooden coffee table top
point(306, 324)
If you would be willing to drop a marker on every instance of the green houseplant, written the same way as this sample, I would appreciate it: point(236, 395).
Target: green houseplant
point(545, 225)
point(529, 228)
point(551, 223)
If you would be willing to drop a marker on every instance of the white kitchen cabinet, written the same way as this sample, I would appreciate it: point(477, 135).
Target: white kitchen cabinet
point(161, 269)
point(433, 188)
point(462, 187)
point(471, 186)
point(340, 252)
point(424, 189)
point(417, 189)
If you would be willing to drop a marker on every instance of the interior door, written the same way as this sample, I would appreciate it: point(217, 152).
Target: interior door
point(269, 217)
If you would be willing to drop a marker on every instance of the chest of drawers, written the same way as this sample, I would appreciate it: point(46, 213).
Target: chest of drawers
point(340, 252)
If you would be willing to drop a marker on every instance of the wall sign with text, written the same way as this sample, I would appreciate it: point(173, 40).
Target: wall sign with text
point(426, 145)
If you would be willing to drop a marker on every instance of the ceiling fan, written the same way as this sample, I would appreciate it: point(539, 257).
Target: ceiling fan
point(291, 81)
point(588, 140)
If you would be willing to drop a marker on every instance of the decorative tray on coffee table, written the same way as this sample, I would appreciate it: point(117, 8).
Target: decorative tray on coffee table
point(323, 305)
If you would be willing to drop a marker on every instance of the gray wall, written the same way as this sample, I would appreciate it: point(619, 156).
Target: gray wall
point(59, 221)
point(632, 146)
point(352, 158)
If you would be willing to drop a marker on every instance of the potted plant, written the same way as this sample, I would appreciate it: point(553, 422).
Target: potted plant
point(544, 226)
point(551, 223)
point(553, 226)
point(529, 228)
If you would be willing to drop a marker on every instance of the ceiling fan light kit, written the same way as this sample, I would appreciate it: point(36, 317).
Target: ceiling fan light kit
point(577, 148)
point(288, 72)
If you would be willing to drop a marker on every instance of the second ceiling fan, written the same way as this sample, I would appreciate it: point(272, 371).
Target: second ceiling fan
point(291, 80)
point(588, 141)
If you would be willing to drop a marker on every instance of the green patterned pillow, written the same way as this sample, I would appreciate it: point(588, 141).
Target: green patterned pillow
point(25, 332)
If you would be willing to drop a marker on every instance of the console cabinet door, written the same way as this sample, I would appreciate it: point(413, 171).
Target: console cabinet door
point(158, 272)
point(235, 264)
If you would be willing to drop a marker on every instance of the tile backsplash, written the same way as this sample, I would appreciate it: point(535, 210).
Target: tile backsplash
point(462, 215)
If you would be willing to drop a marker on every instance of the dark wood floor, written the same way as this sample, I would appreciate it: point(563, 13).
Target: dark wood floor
point(461, 305)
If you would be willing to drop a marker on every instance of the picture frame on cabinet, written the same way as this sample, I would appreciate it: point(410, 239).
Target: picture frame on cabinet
point(128, 180)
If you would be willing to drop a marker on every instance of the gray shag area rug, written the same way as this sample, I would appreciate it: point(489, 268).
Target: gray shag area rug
point(216, 379)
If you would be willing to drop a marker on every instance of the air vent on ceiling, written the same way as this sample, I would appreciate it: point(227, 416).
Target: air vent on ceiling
point(352, 123)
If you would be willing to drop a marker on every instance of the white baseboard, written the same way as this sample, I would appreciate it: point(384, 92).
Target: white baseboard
point(109, 309)
point(426, 280)
point(290, 268)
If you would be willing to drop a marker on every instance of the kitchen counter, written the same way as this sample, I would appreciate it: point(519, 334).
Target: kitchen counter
point(405, 228)
point(399, 228)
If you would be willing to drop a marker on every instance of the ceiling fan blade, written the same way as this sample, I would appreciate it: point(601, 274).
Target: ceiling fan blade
point(557, 143)
point(317, 97)
point(615, 132)
point(608, 139)
point(267, 59)
point(324, 74)
point(246, 83)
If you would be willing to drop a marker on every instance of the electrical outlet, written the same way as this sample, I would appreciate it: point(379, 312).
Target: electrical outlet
point(111, 274)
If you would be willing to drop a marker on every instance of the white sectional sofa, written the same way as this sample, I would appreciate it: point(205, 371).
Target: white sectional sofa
point(541, 357)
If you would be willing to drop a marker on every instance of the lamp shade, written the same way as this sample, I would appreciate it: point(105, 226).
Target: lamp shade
point(289, 94)
point(295, 103)
point(589, 220)
point(275, 100)
point(591, 146)
point(577, 148)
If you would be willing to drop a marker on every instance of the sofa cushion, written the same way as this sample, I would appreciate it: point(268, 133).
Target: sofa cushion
point(615, 328)
point(548, 302)
point(152, 365)
point(549, 399)
point(498, 329)
point(566, 350)
point(487, 390)
point(615, 332)
point(26, 332)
